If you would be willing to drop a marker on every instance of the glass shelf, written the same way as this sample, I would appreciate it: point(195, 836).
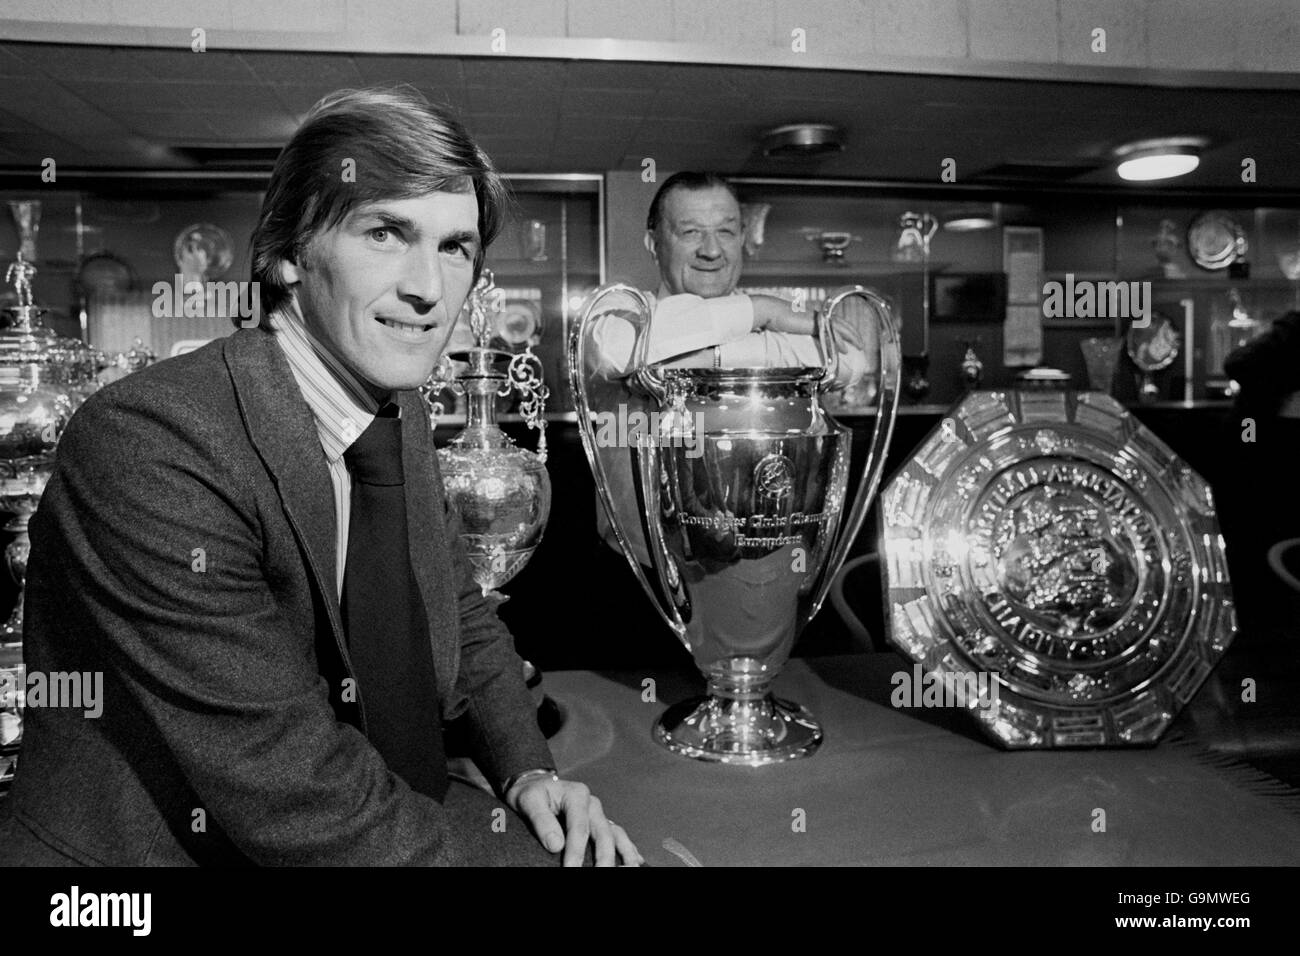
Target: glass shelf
point(849, 271)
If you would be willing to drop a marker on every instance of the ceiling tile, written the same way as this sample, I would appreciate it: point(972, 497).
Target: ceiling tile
point(536, 114)
point(12, 63)
point(177, 127)
point(211, 66)
point(84, 62)
point(513, 74)
point(115, 98)
point(333, 69)
point(498, 100)
point(616, 130)
point(614, 76)
point(419, 70)
point(228, 97)
point(695, 105)
point(607, 102)
point(51, 106)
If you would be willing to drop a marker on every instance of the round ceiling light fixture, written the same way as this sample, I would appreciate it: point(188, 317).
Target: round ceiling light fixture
point(802, 140)
point(971, 218)
point(1150, 160)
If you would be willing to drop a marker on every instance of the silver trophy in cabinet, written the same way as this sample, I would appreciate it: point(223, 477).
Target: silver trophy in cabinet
point(40, 381)
point(501, 492)
point(739, 481)
point(34, 408)
point(1153, 348)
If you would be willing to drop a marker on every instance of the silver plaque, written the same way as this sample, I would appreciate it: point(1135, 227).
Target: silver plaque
point(1050, 547)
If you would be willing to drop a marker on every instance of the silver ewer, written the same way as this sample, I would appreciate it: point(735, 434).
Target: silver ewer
point(739, 480)
point(501, 492)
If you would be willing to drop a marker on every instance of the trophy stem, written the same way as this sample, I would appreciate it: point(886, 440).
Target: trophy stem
point(740, 721)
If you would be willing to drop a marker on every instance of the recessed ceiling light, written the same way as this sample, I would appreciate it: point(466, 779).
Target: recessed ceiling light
point(802, 140)
point(969, 222)
point(971, 217)
point(1155, 159)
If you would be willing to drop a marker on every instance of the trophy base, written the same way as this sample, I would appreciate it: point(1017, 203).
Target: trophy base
point(749, 732)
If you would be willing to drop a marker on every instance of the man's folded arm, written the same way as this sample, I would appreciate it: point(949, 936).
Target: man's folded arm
point(160, 553)
point(683, 324)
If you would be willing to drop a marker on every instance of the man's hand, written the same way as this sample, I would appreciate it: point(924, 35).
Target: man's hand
point(544, 802)
point(853, 327)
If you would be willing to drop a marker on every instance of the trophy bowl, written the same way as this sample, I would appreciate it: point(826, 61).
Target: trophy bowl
point(726, 489)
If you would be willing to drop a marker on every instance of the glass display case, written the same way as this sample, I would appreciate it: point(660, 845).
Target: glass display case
point(1219, 275)
point(101, 254)
point(548, 257)
point(952, 293)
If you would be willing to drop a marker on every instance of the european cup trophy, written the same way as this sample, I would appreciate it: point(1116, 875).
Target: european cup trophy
point(740, 480)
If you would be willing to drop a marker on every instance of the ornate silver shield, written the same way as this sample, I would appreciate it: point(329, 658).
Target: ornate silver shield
point(1051, 542)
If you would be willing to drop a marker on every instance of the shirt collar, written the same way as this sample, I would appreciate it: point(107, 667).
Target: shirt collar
point(342, 407)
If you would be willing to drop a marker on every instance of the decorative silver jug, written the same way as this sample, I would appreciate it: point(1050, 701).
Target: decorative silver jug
point(501, 492)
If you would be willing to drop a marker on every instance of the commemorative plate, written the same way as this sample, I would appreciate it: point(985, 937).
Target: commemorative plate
point(1048, 548)
point(1215, 240)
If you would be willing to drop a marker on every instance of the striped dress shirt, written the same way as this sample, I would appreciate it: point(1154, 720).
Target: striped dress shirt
point(343, 409)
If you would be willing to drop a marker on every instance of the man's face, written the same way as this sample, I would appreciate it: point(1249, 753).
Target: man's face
point(698, 242)
point(382, 289)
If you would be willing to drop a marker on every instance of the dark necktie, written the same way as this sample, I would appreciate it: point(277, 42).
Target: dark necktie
point(384, 616)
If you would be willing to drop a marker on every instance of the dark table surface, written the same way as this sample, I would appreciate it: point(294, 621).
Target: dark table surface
point(921, 787)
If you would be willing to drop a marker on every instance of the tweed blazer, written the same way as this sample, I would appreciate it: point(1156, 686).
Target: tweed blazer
point(185, 549)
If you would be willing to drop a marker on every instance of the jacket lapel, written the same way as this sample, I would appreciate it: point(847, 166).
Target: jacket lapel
point(283, 430)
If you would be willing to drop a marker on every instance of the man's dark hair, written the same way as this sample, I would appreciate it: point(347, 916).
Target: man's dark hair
point(690, 180)
point(399, 147)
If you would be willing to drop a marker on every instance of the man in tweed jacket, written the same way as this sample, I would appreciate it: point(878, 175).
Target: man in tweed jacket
point(188, 547)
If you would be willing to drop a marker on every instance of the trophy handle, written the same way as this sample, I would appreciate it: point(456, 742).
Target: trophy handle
point(886, 412)
point(525, 374)
point(645, 463)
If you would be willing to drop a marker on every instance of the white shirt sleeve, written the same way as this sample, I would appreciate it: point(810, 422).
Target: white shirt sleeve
point(682, 324)
point(786, 350)
point(772, 350)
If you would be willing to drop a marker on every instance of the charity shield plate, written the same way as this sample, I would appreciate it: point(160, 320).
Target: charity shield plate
point(1050, 541)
